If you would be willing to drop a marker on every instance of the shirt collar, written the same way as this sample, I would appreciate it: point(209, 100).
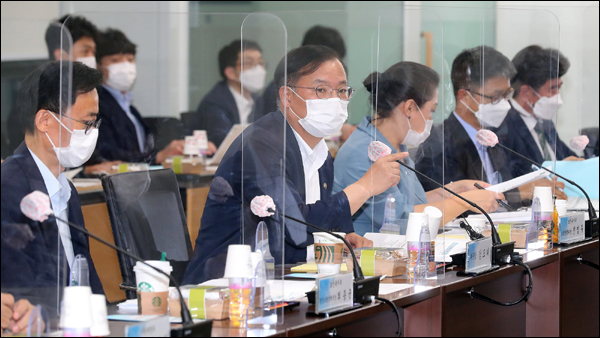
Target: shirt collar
point(53, 184)
point(312, 158)
point(123, 99)
point(239, 98)
point(529, 119)
point(471, 131)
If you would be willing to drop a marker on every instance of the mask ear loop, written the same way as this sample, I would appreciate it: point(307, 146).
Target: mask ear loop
point(290, 107)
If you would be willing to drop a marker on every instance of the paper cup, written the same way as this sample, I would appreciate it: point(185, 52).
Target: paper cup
point(545, 196)
point(434, 216)
point(413, 227)
point(76, 311)
point(561, 207)
point(329, 253)
point(99, 317)
point(239, 262)
point(150, 280)
point(478, 222)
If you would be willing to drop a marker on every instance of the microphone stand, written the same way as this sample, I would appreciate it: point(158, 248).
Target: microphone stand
point(188, 327)
point(592, 226)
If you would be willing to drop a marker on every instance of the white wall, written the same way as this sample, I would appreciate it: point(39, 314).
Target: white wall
point(576, 22)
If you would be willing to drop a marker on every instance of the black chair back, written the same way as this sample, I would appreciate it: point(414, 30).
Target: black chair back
point(165, 130)
point(147, 218)
point(191, 121)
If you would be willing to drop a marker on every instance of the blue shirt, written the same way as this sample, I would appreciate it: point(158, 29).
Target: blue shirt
point(492, 176)
point(352, 162)
point(124, 101)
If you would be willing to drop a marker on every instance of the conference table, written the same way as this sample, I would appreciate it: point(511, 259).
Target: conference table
point(564, 302)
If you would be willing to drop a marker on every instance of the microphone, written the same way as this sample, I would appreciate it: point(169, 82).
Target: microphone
point(490, 139)
point(36, 206)
point(501, 251)
point(263, 206)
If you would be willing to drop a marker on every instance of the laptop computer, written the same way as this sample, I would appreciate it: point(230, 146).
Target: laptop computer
point(212, 164)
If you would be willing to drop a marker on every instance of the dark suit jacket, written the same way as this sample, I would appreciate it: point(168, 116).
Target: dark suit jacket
point(29, 248)
point(217, 113)
point(265, 172)
point(513, 133)
point(117, 139)
point(459, 158)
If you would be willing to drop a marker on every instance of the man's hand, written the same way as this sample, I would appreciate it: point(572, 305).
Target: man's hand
point(175, 148)
point(526, 191)
point(8, 301)
point(101, 168)
point(212, 149)
point(483, 198)
point(20, 318)
point(358, 241)
point(573, 158)
point(466, 185)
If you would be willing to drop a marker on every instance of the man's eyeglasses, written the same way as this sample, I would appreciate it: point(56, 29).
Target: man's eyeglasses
point(325, 92)
point(88, 124)
point(497, 98)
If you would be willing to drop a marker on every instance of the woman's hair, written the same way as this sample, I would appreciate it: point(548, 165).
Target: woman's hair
point(401, 82)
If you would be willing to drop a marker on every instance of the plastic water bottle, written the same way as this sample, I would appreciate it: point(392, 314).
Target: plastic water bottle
point(80, 272)
point(389, 217)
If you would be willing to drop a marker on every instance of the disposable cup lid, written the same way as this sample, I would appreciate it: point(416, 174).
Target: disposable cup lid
point(165, 266)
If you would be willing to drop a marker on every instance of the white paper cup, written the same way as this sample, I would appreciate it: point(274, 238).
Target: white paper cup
point(76, 310)
point(561, 207)
point(435, 218)
point(478, 222)
point(239, 262)
point(329, 253)
point(191, 146)
point(545, 196)
point(150, 280)
point(413, 227)
point(99, 317)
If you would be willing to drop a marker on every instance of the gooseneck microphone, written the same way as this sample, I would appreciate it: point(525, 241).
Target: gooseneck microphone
point(263, 206)
point(489, 139)
point(36, 206)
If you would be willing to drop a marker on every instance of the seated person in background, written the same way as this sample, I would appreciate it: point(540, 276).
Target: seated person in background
point(15, 315)
point(124, 135)
point(227, 104)
point(32, 251)
point(405, 98)
point(481, 80)
point(528, 128)
point(316, 91)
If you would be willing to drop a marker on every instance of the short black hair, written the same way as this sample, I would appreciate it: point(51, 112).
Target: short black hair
point(77, 26)
point(113, 41)
point(472, 67)
point(228, 55)
point(41, 89)
point(401, 82)
point(303, 61)
point(536, 65)
point(325, 36)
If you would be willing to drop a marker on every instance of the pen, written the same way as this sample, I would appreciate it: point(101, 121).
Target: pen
point(501, 202)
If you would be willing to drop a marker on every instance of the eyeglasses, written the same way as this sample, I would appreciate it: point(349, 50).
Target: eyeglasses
point(325, 92)
point(496, 99)
point(88, 124)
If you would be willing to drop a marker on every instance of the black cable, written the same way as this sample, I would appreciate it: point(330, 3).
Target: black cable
point(395, 309)
point(525, 297)
point(588, 263)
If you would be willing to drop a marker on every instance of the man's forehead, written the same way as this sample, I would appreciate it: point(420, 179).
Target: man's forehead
point(329, 72)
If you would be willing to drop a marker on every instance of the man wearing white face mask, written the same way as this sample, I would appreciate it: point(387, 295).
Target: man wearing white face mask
point(283, 155)
point(53, 140)
point(124, 136)
point(234, 99)
point(529, 126)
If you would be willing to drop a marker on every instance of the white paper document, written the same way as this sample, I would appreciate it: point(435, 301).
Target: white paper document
point(519, 181)
point(386, 240)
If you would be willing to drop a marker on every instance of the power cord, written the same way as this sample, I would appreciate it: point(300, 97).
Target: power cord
point(588, 263)
point(395, 309)
point(518, 260)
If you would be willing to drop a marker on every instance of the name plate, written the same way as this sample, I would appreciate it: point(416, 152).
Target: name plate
point(334, 293)
point(159, 327)
point(571, 227)
point(479, 255)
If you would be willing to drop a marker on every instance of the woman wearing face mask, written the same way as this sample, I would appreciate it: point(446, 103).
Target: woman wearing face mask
point(404, 98)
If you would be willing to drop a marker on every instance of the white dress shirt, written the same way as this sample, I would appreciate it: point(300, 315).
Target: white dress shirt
point(59, 191)
point(312, 161)
point(244, 105)
point(531, 121)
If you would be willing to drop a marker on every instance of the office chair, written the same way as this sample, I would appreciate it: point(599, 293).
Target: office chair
point(165, 130)
point(147, 218)
point(191, 121)
point(592, 150)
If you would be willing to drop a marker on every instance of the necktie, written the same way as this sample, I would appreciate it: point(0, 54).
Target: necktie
point(543, 142)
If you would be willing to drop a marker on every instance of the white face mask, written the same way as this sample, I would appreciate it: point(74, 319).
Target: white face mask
point(323, 117)
point(80, 147)
point(413, 138)
point(253, 79)
point(546, 107)
point(490, 115)
point(89, 61)
point(121, 76)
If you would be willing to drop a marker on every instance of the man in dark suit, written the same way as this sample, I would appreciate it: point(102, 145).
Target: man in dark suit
point(36, 256)
point(234, 99)
point(284, 155)
point(124, 135)
point(529, 127)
